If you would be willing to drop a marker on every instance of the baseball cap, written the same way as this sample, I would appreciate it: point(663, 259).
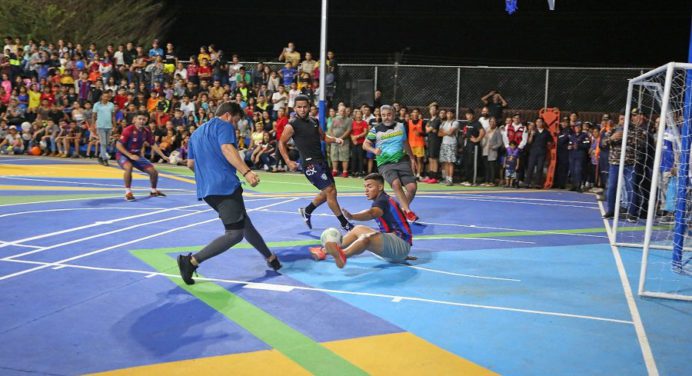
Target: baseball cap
point(636, 111)
point(13, 127)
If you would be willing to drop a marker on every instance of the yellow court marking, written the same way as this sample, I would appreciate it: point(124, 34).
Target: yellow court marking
point(80, 171)
point(388, 354)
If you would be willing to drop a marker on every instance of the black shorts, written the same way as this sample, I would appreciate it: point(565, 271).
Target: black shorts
point(432, 149)
point(318, 174)
point(231, 209)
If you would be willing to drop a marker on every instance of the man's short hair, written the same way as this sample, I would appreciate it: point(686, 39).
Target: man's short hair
point(302, 98)
point(375, 176)
point(469, 111)
point(229, 107)
point(386, 107)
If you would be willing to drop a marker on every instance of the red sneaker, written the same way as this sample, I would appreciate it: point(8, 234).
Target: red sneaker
point(318, 253)
point(335, 251)
point(344, 175)
point(426, 180)
point(335, 173)
point(411, 216)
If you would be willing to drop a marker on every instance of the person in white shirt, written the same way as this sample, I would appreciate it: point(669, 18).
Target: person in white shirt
point(279, 99)
point(292, 94)
point(448, 149)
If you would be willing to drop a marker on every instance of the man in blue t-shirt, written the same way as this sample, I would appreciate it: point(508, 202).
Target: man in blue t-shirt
point(213, 156)
point(392, 242)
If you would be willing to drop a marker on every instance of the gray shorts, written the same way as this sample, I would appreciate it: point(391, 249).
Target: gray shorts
point(395, 249)
point(340, 153)
point(448, 153)
point(400, 170)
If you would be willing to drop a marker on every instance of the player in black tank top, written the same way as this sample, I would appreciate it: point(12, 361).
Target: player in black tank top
point(308, 136)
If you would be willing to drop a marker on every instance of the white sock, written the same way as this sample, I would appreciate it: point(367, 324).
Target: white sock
point(128, 190)
point(153, 190)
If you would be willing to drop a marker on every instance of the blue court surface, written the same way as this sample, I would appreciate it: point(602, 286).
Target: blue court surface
point(513, 282)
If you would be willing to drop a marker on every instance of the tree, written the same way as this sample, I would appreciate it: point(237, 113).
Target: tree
point(85, 21)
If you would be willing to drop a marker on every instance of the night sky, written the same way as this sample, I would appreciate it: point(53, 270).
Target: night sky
point(638, 33)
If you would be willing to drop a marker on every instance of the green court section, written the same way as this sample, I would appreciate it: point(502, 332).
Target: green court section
point(309, 354)
point(296, 182)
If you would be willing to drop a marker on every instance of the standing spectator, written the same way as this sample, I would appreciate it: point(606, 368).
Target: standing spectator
point(448, 149)
point(493, 142)
point(279, 126)
point(511, 164)
point(341, 128)
point(155, 49)
point(516, 131)
point(233, 70)
point(292, 94)
point(562, 166)
point(539, 141)
point(635, 140)
point(279, 100)
point(104, 118)
point(432, 129)
point(359, 130)
point(473, 134)
point(579, 145)
point(495, 103)
point(416, 139)
point(603, 151)
point(290, 55)
point(370, 156)
point(288, 74)
point(308, 65)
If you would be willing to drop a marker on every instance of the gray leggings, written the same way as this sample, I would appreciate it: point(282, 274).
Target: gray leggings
point(231, 237)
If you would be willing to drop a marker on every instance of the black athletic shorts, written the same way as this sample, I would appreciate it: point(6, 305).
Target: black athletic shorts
point(231, 209)
point(318, 174)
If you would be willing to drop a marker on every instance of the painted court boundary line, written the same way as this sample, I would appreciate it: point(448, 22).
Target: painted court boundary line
point(133, 208)
point(648, 355)
point(288, 288)
point(8, 276)
point(500, 200)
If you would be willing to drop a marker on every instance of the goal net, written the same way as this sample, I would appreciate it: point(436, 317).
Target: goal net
point(652, 204)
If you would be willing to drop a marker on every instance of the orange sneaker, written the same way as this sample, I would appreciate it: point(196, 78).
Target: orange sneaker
point(129, 196)
point(318, 253)
point(336, 252)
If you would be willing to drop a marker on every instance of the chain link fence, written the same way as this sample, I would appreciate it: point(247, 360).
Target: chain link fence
point(570, 89)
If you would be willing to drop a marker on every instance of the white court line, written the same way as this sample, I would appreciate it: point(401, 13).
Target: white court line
point(60, 262)
point(80, 199)
point(20, 245)
point(634, 311)
point(538, 232)
point(414, 238)
point(138, 225)
point(119, 186)
point(494, 200)
point(282, 287)
point(532, 199)
point(96, 224)
point(112, 208)
point(464, 275)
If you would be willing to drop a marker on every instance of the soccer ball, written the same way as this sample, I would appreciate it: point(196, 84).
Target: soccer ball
point(174, 158)
point(331, 235)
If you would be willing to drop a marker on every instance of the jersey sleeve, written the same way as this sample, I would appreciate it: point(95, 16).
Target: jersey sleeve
point(380, 203)
point(372, 134)
point(226, 134)
point(125, 136)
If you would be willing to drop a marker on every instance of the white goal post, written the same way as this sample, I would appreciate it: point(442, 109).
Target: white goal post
point(653, 200)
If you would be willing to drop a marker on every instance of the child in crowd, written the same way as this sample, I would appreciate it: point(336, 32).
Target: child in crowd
point(511, 164)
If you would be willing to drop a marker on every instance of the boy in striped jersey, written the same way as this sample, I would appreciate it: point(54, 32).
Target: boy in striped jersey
point(392, 242)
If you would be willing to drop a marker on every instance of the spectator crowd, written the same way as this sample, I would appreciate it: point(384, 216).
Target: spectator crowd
point(48, 94)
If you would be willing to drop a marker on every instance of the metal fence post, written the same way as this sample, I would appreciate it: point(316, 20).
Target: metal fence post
point(547, 80)
point(458, 88)
point(374, 89)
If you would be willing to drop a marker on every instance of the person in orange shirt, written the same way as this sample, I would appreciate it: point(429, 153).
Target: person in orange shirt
point(153, 101)
point(416, 139)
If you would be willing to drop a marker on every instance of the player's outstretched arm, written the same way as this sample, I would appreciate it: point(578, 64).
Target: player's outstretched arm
point(364, 215)
point(231, 154)
point(158, 151)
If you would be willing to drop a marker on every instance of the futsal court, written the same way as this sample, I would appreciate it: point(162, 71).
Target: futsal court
point(515, 282)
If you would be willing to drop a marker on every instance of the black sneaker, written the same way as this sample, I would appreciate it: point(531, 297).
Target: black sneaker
point(274, 264)
point(186, 268)
point(348, 226)
point(632, 218)
point(306, 217)
point(608, 215)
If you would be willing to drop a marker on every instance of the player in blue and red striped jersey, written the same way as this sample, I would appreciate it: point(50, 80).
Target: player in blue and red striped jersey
point(133, 139)
point(392, 242)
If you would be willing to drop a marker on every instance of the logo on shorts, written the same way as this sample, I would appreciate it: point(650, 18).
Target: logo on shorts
point(310, 170)
point(324, 176)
